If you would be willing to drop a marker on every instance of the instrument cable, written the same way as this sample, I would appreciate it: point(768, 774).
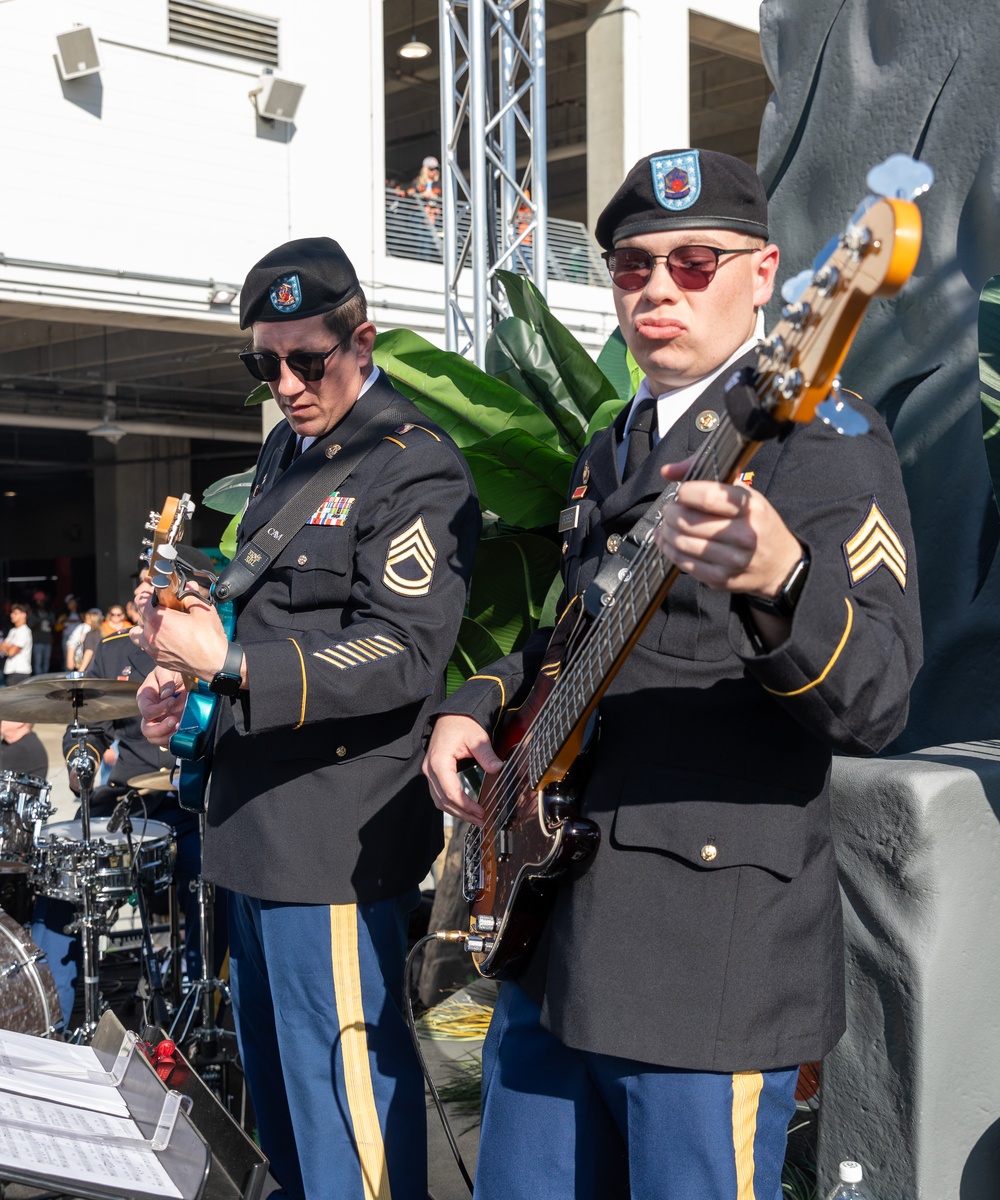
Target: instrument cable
point(440, 936)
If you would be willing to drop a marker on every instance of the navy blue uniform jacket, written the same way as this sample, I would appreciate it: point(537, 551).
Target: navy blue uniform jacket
point(731, 959)
point(316, 795)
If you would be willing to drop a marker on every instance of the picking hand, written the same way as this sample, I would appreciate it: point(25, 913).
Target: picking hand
point(161, 698)
point(456, 738)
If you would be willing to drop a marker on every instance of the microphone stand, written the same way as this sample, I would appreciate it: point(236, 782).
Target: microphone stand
point(152, 963)
point(87, 922)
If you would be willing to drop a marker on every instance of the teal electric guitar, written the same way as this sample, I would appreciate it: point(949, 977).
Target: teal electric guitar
point(176, 570)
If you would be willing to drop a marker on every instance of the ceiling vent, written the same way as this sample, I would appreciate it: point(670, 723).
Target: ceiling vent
point(224, 30)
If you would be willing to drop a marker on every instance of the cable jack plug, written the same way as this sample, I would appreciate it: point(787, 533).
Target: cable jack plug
point(473, 942)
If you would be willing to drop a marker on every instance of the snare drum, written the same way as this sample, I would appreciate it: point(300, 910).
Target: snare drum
point(24, 805)
point(29, 1002)
point(60, 861)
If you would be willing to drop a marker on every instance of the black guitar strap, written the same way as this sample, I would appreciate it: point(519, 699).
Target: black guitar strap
point(272, 537)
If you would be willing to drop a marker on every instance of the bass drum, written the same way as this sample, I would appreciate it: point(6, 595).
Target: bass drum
point(29, 1002)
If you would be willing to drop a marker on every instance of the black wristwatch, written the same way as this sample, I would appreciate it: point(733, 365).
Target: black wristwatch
point(229, 680)
point(783, 605)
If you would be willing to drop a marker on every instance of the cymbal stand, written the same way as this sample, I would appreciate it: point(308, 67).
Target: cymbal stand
point(88, 923)
point(157, 999)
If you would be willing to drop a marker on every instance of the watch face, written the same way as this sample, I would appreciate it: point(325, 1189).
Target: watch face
point(225, 685)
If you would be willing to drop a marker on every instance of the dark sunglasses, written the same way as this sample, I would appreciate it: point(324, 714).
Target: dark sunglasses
point(309, 365)
point(691, 267)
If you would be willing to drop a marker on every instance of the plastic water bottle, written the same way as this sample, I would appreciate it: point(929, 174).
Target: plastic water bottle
point(849, 1187)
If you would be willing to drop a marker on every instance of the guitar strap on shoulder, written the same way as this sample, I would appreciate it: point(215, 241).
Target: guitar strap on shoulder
point(257, 555)
point(614, 567)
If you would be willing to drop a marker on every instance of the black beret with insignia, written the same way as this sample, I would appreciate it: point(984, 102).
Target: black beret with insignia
point(299, 279)
point(685, 189)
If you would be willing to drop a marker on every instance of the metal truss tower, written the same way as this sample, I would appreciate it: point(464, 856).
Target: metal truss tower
point(492, 116)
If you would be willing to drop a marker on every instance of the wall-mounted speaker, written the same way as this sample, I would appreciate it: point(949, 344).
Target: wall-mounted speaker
point(76, 53)
point(277, 99)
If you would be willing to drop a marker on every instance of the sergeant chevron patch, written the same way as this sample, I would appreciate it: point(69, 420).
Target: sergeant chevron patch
point(409, 564)
point(875, 544)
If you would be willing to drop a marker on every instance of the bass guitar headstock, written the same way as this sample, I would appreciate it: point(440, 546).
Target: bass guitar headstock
point(797, 372)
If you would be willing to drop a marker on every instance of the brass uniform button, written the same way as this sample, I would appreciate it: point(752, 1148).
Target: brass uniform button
point(302, 559)
point(586, 472)
point(707, 421)
point(614, 543)
point(341, 751)
point(709, 852)
point(565, 546)
point(332, 450)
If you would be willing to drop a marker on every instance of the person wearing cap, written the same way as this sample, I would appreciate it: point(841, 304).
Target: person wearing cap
point(319, 822)
point(650, 1046)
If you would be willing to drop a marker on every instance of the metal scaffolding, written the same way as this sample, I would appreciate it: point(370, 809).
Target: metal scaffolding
point(492, 114)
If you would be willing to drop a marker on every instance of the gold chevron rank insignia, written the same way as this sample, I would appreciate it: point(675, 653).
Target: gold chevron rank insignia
point(409, 565)
point(875, 544)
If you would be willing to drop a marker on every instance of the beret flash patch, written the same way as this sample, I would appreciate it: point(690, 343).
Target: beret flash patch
point(409, 563)
point(872, 545)
point(676, 180)
point(286, 293)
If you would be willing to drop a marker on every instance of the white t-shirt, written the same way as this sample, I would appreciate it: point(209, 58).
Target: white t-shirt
point(19, 663)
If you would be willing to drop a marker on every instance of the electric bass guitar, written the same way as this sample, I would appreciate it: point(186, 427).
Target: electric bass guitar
point(532, 832)
point(176, 570)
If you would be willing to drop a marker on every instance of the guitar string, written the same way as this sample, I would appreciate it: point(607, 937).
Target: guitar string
point(540, 733)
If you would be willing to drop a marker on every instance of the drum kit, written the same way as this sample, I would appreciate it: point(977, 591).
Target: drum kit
point(97, 864)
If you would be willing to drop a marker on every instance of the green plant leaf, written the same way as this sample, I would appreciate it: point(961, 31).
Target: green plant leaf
point(466, 402)
point(604, 416)
point(550, 609)
point(519, 356)
point(522, 480)
point(614, 362)
point(989, 376)
point(510, 580)
point(227, 543)
point(260, 393)
point(229, 494)
point(585, 382)
point(476, 647)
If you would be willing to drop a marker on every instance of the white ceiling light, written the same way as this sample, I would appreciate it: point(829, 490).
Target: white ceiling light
point(414, 48)
point(108, 429)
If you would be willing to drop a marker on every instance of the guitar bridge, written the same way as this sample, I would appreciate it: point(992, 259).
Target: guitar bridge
point(472, 877)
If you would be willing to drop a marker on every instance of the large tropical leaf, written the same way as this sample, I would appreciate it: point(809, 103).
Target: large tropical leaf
point(510, 581)
point(522, 480)
point(475, 648)
point(519, 355)
point(229, 494)
point(989, 376)
point(617, 363)
point(466, 402)
point(584, 380)
point(227, 543)
point(260, 393)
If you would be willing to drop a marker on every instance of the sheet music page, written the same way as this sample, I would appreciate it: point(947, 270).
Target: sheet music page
point(34, 1066)
point(86, 1156)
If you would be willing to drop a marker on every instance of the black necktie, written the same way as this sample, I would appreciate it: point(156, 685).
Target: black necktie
point(640, 436)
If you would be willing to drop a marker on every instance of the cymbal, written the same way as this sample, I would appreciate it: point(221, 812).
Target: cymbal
point(154, 781)
point(54, 700)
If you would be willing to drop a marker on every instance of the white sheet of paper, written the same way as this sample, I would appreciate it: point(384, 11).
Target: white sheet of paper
point(85, 1157)
point(34, 1066)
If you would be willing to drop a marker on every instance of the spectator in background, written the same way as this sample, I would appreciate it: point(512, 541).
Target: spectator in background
point(16, 647)
point(41, 623)
point(94, 622)
point(428, 180)
point(21, 750)
point(426, 188)
point(66, 622)
point(116, 621)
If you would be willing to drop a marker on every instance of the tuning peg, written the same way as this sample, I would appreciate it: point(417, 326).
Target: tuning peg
point(166, 551)
point(838, 414)
point(793, 288)
point(900, 177)
point(154, 520)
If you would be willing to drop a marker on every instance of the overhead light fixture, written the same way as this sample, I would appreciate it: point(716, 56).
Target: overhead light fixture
point(108, 429)
point(223, 296)
point(276, 99)
point(414, 48)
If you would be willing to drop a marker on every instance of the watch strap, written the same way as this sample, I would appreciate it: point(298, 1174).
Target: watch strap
point(783, 604)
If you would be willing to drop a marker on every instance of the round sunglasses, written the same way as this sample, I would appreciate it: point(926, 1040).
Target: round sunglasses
point(691, 267)
point(309, 365)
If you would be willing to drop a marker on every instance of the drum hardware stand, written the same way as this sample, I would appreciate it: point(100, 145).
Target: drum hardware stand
point(87, 923)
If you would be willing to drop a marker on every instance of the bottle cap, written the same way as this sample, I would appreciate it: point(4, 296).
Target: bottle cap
point(850, 1172)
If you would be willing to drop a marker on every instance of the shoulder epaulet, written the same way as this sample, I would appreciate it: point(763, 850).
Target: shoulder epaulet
point(399, 435)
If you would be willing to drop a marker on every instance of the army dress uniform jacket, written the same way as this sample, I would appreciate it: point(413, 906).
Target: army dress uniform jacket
point(316, 795)
point(118, 657)
point(712, 903)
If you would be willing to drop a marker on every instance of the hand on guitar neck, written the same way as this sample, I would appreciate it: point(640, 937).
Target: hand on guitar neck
point(456, 739)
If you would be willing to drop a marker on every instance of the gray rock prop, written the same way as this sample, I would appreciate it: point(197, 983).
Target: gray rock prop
point(855, 81)
point(912, 1091)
